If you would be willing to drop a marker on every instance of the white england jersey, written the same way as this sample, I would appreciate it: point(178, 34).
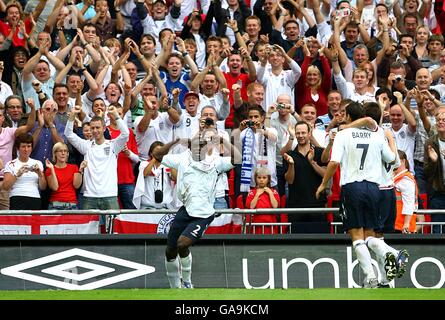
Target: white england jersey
point(405, 141)
point(159, 129)
point(388, 168)
point(197, 180)
point(360, 153)
point(185, 128)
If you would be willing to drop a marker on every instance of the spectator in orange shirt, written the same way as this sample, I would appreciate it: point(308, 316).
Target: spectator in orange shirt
point(406, 193)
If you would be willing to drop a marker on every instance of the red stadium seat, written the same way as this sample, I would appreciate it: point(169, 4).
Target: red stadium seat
point(231, 181)
point(283, 216)
point(240, 202)
point(232, 202)
point(424, 198)
point(330, 215)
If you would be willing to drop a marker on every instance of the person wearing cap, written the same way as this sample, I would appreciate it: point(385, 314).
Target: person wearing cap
point(213, 91)
point(157, 19)
point(188, 124)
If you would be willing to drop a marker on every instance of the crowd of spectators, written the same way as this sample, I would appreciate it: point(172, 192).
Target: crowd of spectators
point(90, 88)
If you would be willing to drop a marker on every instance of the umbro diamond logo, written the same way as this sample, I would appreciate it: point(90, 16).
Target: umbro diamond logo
point(57, 275)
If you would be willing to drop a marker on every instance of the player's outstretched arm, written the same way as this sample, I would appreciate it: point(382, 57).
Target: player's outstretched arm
point(159, 153)
point(330, 170)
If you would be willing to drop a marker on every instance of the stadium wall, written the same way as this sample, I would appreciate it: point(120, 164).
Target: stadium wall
point(237, 261)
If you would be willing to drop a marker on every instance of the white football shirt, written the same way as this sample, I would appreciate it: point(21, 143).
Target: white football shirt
point(360, 153)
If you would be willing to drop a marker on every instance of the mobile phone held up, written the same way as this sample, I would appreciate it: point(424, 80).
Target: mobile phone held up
point(341, 13)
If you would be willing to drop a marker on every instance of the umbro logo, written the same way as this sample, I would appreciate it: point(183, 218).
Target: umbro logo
point(76, 270)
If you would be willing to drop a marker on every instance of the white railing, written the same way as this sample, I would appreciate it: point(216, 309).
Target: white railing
point(247, 226)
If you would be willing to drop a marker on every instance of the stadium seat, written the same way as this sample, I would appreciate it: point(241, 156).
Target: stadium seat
point(231, 181)
point(330, 215)
point(424, 198)
point(237, 219)
point(283, 216)
point(240, 202)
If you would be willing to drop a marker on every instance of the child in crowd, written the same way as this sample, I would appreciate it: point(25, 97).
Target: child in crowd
point(261, 197)
point(407, 193)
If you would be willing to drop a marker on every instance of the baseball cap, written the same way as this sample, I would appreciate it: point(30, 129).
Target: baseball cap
point(191, 93)
point(163, 1)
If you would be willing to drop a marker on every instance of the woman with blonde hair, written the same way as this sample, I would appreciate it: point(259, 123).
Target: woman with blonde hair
point(420, 51)
point(371, 75)
point(313, 87)
point(63, 179)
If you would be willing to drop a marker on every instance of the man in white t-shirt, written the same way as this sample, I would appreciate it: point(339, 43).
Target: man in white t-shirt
point(188, 123)
point(277, 80)
point(100, 175)
point(154, 125)
point(404, 133)
point(279, 117)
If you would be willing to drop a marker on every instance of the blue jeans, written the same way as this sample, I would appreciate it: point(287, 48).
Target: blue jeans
point(220, 203)
point(125, 193)
point(102, 204)
point(420, 177)
point(437, 201)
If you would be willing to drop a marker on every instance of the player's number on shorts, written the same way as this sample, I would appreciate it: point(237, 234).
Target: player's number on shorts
point(365, 152)
point(195, 231)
